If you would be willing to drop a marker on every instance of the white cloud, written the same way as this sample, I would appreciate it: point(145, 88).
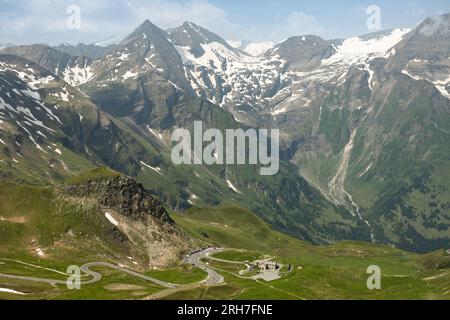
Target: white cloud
point(414, 10)
point(45, 20)
point(31, 21)
point(294, 24)
point(169, 14)
point(299, 23)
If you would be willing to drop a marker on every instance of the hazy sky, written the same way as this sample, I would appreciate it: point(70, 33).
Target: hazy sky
point(32, 21)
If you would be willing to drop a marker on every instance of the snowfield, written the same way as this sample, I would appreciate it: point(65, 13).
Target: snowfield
point(258, 49)
point(261, 80)
point(356, 50)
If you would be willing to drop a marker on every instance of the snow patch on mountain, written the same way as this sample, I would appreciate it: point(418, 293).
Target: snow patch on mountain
point(356, 50)
point(232, 187)
point(76, 76)
point(124, 56)
point(235, 44)
point(440, 85)
point(156, 169)
point(257, 49)
point(155, 133)
point(227, 76)
point(129, 74)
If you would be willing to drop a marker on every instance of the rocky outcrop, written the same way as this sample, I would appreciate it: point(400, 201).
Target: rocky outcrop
point(124, 195)
point(121, 220)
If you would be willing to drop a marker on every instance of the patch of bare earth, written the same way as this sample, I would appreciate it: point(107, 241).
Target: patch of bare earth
point(123, 287)
point(16, 219)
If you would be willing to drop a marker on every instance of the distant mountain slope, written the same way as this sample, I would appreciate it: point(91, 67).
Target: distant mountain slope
point(143, 109)
point(364, 120)
point(92, 51)
point(158, 98)
point(43, 117)
point(379, 139)
point(74, 70)
point(325, 94)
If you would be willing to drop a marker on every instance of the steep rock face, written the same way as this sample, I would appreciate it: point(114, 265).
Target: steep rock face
point(142, 78)
point(429, 41)
point(298, 210)
point(423, 55)
point(386, 123)
point(228, 76)
point(145, 51)
point(365, 118)
point(44, 120)
point(193, 36)
point(303, 53)
point(51, 59)
point(123, 195)
point(121, 218)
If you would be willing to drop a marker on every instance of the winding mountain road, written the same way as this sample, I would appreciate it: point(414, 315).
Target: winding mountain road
point(32, 279)
point(213, 278)
point(96, 277)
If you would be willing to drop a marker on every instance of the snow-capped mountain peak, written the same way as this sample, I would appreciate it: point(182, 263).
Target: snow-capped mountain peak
point(194, 37)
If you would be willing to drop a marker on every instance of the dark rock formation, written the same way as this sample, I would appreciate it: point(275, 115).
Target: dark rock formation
point(124, 195)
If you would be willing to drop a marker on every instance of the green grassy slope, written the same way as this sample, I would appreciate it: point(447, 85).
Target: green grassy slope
point(320, 272)
point(44, 231)
point(398, 166)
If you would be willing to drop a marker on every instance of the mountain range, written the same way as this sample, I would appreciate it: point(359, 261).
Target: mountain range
point(364, 124)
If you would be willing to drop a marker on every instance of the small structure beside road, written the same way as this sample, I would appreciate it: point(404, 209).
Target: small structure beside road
point(265, 265)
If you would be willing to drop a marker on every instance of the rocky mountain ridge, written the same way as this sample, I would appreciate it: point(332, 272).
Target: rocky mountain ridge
point(122, 194)
point(347, 110)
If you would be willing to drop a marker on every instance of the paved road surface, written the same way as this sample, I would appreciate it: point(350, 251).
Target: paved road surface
point(96, 277)
point(214, 278)
point(50, 281)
